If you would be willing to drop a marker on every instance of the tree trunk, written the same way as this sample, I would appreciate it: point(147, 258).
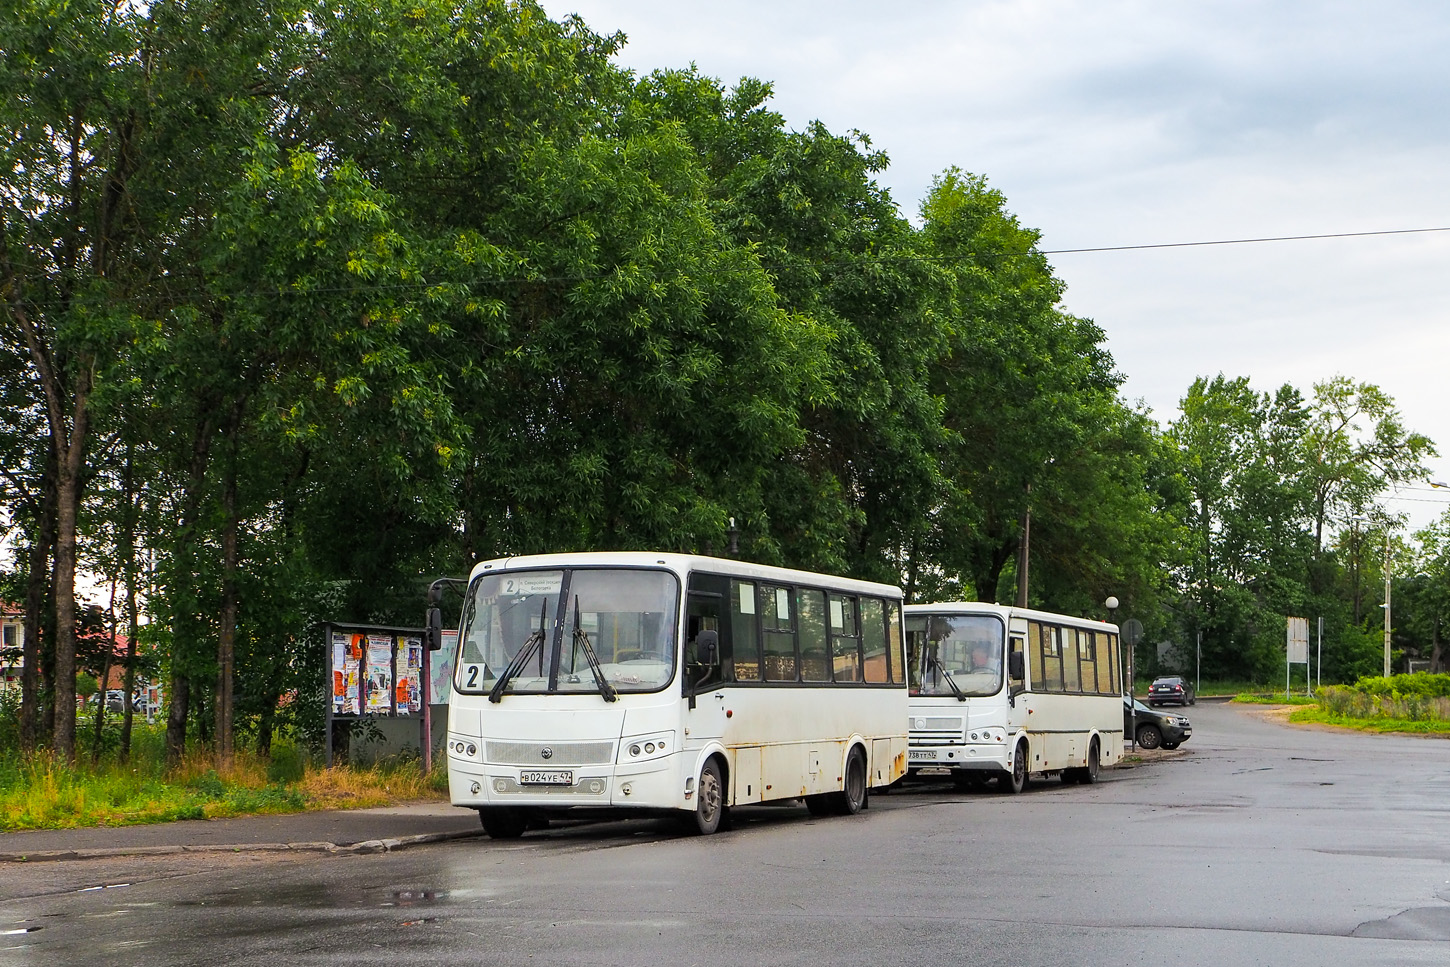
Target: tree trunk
point(68, 498)
point(37, 585)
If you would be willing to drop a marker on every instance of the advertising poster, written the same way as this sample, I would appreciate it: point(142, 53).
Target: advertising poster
point(379, 674)
point(408, 675)
point(440, 678)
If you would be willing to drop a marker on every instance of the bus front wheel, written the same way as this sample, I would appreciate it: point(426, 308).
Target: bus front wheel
point(709, 802)
point(503, 822)
point(1015, 781)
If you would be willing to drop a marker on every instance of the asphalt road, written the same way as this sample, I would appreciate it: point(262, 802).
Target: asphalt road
point(1256, 843)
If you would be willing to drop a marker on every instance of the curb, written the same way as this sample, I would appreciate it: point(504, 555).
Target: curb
point(366, 846)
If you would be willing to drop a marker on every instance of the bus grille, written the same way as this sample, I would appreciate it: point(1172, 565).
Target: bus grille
point(560, 753)
point(937, 728)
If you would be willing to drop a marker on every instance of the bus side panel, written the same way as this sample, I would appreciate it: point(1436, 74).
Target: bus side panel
point(792, 728)
point(745, 775)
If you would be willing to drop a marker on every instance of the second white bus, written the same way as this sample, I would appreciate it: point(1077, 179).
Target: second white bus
point(1001, 693)
point(671, 683)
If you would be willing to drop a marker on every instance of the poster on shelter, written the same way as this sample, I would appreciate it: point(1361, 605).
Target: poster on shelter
point(346, 673)
point(408, 676)
point(379, 674)
point(339, 672)
point(440, 669)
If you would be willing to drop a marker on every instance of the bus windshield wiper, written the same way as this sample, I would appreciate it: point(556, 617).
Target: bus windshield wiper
point(521, 658)
point(581, 643)
point(941, 670)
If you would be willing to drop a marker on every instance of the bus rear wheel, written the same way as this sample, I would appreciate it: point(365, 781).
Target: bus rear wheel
point(852, 799)
point(1087, 774)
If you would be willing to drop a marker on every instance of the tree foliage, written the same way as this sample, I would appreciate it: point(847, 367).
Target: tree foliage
point(309, 303)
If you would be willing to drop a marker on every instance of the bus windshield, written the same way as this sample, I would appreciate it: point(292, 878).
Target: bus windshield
point(583, 630)
point(957, 655)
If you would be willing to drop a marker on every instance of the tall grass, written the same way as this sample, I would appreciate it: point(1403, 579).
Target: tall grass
point(39, 791)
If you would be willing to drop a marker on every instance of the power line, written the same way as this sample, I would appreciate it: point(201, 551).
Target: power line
point(1241, 241)
point(181, 294)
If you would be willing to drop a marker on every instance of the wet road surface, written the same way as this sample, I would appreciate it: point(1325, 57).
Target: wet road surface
point(1256, 843)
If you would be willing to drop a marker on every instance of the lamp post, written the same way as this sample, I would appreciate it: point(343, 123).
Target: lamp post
point(1112, 605)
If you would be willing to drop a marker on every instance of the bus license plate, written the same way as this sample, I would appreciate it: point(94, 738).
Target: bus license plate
point(554, 778)
point(921, 755)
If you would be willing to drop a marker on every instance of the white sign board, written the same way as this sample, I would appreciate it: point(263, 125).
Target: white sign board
point(1298, 643)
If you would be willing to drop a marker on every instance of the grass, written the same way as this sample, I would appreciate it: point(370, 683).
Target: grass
point(41, 792)
point(1317, 715)
point(1275, 698)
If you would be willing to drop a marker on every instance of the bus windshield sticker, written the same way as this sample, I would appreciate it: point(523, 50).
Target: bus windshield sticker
point(473, 675)
point(747, 598)
point(530, 584)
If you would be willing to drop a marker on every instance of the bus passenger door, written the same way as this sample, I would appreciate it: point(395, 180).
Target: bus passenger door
point(1017, 708)
point(705, 700)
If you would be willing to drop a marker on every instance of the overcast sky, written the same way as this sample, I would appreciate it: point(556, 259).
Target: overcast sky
point(1115, 122)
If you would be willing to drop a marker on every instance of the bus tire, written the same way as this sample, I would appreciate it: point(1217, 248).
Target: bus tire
point(1088, 774)
point(503, 822)
point(852, 799)
point(968, 780)
point(821, 805)
point(1015, 781)
point(709, 809)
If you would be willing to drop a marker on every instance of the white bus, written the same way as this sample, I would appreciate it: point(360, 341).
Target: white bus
point(1057, 708)
point(671, 683)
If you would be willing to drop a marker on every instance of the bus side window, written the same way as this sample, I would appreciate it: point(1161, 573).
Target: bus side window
point(873, 641)
point(744, 632)
point(845, 638)
point(1016, 661)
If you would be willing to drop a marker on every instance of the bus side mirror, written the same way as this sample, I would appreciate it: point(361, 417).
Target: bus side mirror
point(435, 629)
point(707, 648)
point(1014, 665)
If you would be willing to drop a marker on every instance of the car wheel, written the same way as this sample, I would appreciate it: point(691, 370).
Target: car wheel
point(1149, 736)
point(1170, 745)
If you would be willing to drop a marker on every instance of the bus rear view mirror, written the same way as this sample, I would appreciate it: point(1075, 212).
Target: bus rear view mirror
point(1014, 665)
point(435, 629)
point(707, 648)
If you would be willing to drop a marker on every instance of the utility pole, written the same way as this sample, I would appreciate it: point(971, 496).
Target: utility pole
point(1387, 602)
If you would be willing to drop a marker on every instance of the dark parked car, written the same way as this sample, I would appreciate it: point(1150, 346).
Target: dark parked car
point(1170, 689)
point(1152, 729)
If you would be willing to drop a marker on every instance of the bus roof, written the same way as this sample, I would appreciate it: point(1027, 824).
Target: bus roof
point(681, 564)
point(1006, 610)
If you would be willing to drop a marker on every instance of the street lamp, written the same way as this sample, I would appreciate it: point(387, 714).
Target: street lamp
point(1112, 605)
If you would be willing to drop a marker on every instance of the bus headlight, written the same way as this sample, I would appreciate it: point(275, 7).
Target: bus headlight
point(642, 748)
